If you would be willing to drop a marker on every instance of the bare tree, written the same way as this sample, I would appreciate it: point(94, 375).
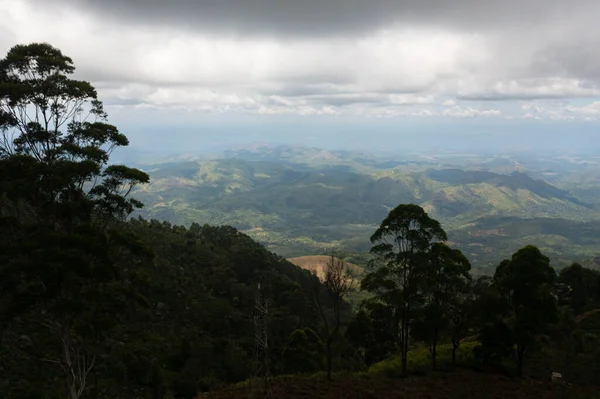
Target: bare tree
point(75, 356)
point(329, 297)
point(261, 358)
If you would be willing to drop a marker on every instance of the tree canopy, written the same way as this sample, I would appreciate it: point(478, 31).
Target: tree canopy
point(401, 246)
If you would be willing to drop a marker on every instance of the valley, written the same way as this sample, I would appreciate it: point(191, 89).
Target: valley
point(300, 201)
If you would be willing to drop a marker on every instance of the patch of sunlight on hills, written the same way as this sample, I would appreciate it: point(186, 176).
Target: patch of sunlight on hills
point(318, 263)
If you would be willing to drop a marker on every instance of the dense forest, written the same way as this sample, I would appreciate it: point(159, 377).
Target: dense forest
point(95, 304)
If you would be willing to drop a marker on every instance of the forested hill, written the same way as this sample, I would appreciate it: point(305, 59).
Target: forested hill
point(293, 202)
point(198, 296)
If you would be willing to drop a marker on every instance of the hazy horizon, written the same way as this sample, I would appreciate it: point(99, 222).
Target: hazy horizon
point(377, 75)
point(379, 139)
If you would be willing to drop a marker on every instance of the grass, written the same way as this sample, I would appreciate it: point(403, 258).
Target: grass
point(419, 360)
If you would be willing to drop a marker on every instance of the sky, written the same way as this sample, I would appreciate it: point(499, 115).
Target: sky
point(191, 73)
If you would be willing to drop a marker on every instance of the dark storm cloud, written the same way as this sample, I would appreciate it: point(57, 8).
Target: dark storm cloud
point(310, 18)
point(321, 53)
point(579, 59)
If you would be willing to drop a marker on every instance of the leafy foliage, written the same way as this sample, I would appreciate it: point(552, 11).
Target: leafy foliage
point(402, 247)
point(61, 250)
point(527, 284)
point(446, 282)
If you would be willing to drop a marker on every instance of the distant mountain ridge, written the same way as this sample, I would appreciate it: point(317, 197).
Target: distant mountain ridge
point(262, 151)
point(304, 201)
point(515, 181)
point(313, 156)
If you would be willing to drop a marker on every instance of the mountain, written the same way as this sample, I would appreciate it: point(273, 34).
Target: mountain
point(563, 240)
point(314, 157)
point(303, 201)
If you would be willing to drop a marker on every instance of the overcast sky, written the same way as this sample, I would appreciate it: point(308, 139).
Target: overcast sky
point(209, 62)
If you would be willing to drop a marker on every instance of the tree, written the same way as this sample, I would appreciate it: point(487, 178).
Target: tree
point(329, 297)
point(374, 329)
point(401, 247)
point(496, 342)
point(488, 311)
point(61, 253)
point(444, 286)
point(527, 284)
point(487, 304)
point(460, 314)
point(303, 352)
point(581, 286)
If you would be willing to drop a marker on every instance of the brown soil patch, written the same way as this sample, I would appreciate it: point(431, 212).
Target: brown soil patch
point(319, 262)
point(458, 384)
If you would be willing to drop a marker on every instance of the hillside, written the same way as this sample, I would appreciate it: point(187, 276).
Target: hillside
point(565, 240)
point(199, 292)
point(318, 263)
point(304, 201)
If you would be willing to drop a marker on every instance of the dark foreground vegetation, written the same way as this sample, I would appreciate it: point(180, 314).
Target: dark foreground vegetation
point(94, 305)
point(440, 385)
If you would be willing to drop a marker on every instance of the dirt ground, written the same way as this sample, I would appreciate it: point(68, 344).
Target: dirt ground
point(457, 384)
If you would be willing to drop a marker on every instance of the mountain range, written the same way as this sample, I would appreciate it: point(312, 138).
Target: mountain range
point(304, 201)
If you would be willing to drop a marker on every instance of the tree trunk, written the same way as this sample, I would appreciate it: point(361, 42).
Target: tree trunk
point(68, 365)
point(404, 347)
point(433, 348)
point(329, 359)
point(454, 347)
point(520, 358)
point(71, 389)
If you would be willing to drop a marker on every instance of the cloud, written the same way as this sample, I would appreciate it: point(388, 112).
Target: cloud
point(318, 18)
point(562, 111)
point(326, 57)
point(576, 59)
point(590, 110)
point(469, 112)
point(544, 88)
point(529, 115)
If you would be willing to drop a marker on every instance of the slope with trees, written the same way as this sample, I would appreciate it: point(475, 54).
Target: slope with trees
point(90, 302)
